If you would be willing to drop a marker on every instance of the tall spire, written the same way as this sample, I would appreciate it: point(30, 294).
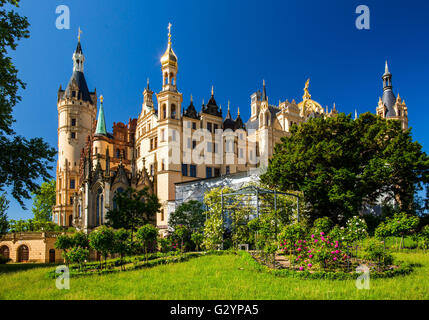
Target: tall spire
point(386, 68)
point(169, 57)
point(264, 91)
point(101, 122)
point(212, 91)
point(78, 57)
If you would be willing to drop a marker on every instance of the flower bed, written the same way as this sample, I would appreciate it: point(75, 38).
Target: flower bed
point(259, 264)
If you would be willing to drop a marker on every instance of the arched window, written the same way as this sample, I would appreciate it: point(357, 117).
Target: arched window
point(173, 111)
point(99, 208)
point(163, 111)
point(70, 220)
point(4, 251)
point(23, 253)
point(52, 256)
point(165, 78)
point(119, 190)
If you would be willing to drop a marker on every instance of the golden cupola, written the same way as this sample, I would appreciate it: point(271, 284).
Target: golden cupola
point(308, 106)
point(169, 57)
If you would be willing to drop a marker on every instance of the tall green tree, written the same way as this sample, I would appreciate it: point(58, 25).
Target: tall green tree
point(133, 209)
point(44, 200)
point(22, 161)
point(4, 224)
point(339, 163)
point(189, 214)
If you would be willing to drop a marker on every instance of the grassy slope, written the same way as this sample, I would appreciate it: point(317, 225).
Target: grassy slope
point(210, 277)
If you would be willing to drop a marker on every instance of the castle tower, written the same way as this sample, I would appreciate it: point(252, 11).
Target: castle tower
point(169, 131)
point(390, 106)
point(77, 108)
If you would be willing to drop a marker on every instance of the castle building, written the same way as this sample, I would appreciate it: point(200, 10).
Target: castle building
point(167, 143)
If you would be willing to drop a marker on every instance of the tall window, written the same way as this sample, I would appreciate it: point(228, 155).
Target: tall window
point(209, 126)
point(228, 170)
point(209, 172)
point(193, 170)
point(99, 208)
point(72, 183)
point(173, 111)
point(184, 169)
point(73, 122)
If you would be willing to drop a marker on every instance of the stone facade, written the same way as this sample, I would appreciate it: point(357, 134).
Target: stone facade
point(31, 247)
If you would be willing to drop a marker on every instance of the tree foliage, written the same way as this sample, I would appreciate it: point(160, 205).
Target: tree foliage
point(4, 206)
point(133, 209)
point(189, 214)
point(340, 163)
point(22, 161)
point(44, 200)
point(147, 235)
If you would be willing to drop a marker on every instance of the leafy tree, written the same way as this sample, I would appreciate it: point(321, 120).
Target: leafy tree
point(31, 225)
point(133, 209)
point(181, 232)
point(64, 243)
point(340, 163)
point(102, 240)
point(147, 235)
point(80, 239)
point(122, 244)
point(22, 161)
point(44, 200)
point(4, 206)
point(401, 225)
point(78, 255)
point(189, 214)
point(197, 238)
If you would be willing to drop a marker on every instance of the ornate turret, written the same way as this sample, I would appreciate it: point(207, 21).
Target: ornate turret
point(212, 107)
point(190, 111)
point(388, 98)
point(101, 122)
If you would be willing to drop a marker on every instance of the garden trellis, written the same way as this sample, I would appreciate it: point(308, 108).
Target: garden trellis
point(254, 202)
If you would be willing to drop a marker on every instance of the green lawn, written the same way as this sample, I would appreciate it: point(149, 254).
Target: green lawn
point(208, 277)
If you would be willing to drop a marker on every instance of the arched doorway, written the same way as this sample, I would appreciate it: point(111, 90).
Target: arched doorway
point(4, 251)
point(23, 253)
point(52, 256)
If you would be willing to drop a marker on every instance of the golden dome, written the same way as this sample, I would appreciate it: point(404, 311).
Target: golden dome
point(169, 56)
point(307, 105)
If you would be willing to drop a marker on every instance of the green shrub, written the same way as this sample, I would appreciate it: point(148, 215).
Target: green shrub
point(374, 251)
point(4, 260)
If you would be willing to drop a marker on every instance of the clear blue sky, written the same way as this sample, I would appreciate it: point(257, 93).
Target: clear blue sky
point(231, 45)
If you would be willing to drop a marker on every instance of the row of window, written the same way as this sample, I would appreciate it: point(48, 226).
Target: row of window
point(210, 171)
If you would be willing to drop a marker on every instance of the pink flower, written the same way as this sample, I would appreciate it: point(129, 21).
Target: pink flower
point(299, 241)
point(335, 258)
point(322, 233)
point(309, 265)
point(305, 241)
point(310, 256)
point(301, 268)
point(299, 249)
point(337, 251)
point(315, 240)
point(312, 236)
point(299, 257)
point(332, 252)
point(336, 246)
point(322, 238)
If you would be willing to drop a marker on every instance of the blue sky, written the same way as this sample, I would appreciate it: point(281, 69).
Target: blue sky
point(231, 45)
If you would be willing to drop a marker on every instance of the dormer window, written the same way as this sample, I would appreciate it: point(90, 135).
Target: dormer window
point(73, 94)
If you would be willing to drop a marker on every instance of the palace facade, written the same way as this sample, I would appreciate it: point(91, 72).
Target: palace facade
point(168, 143)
